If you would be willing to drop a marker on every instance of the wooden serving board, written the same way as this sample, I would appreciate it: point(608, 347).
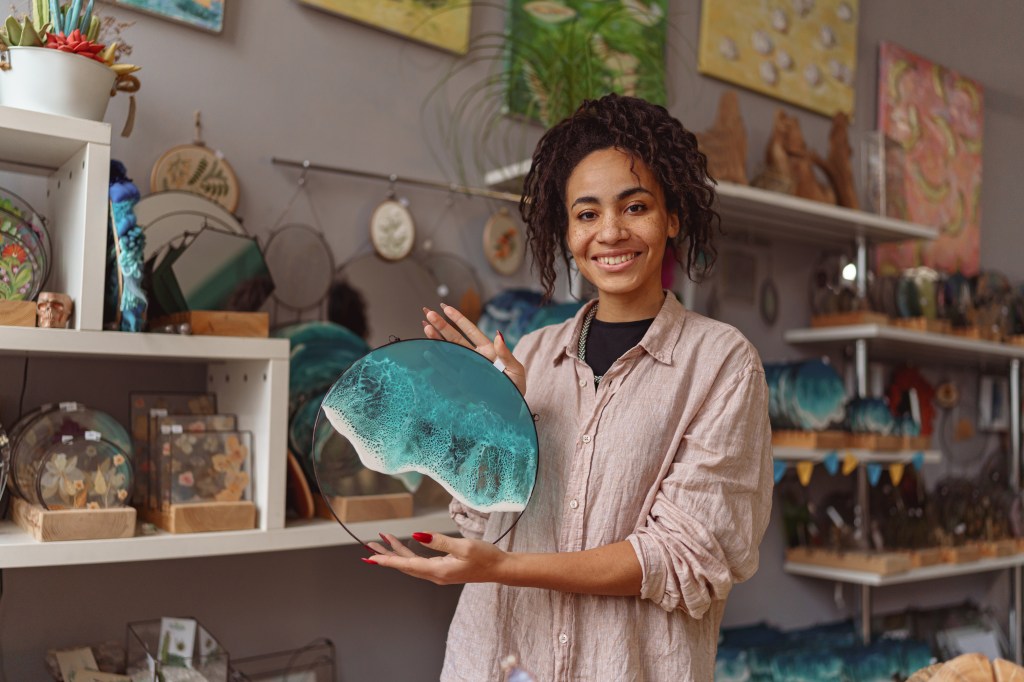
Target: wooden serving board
point(356, 508)
point(821, 440)
point(882, 563)
point(204, 517)
point(17, 313)
point(219, 322)
point(73, 524)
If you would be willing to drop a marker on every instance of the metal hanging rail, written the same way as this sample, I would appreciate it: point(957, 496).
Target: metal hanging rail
point(397, 179)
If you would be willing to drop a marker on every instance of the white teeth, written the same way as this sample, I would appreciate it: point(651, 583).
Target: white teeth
point(615, 260)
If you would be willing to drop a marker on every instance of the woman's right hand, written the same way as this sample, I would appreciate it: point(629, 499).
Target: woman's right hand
point(467, 334)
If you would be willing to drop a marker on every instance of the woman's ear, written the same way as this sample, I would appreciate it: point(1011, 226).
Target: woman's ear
point(673, 225)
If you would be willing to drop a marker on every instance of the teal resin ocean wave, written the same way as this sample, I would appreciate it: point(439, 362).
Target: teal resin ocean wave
point(442, 410)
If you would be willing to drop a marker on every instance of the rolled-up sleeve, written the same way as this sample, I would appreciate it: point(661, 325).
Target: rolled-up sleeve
point(470, 522)
point(711, 510)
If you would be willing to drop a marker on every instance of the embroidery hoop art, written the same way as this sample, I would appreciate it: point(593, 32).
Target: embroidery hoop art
point(503, 243)
point(471, 357)
point(392, 229)
point(208, 174)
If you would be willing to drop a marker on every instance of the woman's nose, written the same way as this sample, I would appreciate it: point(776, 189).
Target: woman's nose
point(611, 230)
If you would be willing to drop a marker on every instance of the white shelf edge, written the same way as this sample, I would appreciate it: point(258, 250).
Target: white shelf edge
point(881, 332)
point(816, 211)
point(793, 454)
point(70, 342)
point(78, 130)
point(19, 550)
point(914, 575)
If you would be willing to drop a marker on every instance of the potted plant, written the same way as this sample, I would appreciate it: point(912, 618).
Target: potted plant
point(53, 62)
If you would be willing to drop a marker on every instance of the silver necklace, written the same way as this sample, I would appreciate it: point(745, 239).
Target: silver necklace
point(581, 351)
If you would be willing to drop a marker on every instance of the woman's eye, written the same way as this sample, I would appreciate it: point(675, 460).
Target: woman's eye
point(587, 215)
point(635, 208)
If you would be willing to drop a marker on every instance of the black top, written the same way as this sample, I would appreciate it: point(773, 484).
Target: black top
point(608, 341)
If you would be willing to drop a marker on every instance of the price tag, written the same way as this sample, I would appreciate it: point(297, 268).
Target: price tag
point(92, 435)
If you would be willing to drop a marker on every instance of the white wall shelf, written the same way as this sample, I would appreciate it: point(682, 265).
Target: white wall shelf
point(912, 576)
point(791, 454)
point(893, 343)
point(45, 142)
point(780, 216)
point(19, 550)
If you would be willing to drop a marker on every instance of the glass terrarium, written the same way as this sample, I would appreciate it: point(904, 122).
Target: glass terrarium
point(174, 650)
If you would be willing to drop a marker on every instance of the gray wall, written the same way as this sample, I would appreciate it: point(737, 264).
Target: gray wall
point(288, 81)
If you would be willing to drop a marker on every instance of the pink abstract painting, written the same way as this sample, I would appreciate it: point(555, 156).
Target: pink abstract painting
point(936, 116)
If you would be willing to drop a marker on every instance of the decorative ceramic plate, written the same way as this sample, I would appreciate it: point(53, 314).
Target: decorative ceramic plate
point(80, 473)
point(166, 216)
point(442, 410)
point(21, 273)
point(392, 230)
point(35, 238)
point(197, 169)
point(14, 205)
point(504, 246)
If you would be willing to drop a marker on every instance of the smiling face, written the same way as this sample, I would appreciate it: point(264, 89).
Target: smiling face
point(618, 228)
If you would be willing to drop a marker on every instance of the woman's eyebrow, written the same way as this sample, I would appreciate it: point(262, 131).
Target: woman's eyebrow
point(624, 194)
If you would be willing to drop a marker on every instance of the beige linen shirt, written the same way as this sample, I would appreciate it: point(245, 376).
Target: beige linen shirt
point(672, 452)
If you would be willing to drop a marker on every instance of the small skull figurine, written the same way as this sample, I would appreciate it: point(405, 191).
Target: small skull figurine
point(53, 310)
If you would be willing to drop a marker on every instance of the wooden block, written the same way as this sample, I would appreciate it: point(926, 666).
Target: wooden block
point(73, 524)
point(961, 555)
point(882, 563)
point(916, 442)
point(923, 324)
point(205, 517)
point(356, 508)
point(17, 313)
point(220, 322)
point(875, 441)
point(926, 557)
point(997, 548)
point(821, 440)
point(845, 319)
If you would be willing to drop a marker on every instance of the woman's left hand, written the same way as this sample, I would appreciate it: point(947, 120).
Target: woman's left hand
point(464, 560)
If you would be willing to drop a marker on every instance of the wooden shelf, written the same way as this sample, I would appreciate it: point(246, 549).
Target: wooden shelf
point(791, 454)
point(19, 550)
point(911, 576)
point(893, 343)
point(35, 341)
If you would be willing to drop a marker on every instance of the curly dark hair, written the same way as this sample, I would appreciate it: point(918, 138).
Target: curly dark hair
point(646, 132)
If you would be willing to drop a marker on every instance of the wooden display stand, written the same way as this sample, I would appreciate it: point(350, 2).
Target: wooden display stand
point(998, 548)
point(17, 313)
point(925, 557)
point(882, 563)
point(219, 323)
point(204, 517)
point(814, 440)
point(356, 508)
point(961, 555)
point(1016, 340)
point(916, 442)
point(73, 524)
point(972, 332)
point(846, 319)
point(924, 324)
point(875, 441)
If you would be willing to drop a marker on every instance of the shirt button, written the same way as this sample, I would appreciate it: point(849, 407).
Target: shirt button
point(586, 438)
point(583, 383)
point(573, 504)
point(563, 638)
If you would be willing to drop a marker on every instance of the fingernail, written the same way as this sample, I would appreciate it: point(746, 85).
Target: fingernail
point(369, 549)
point(386, 541)
point(443, 305)
point(369, 561)
point(425, 538)
point(500, 336)
point(425, 310)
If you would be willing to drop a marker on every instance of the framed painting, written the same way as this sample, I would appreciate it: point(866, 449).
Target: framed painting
point(441, 23)
point(936, 117)
point(207, 15)
point(799, 51)
point(560, 53)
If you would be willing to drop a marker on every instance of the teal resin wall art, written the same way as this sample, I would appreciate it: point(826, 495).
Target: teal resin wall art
point(442, 410)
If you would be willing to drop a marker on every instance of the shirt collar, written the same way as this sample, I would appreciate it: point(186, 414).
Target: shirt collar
point(659, 341)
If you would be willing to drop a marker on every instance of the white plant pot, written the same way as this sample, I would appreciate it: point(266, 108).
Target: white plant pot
point(55, 82)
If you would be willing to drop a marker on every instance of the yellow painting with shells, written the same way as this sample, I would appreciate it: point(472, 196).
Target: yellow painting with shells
point(800, 51)
point(441, 23)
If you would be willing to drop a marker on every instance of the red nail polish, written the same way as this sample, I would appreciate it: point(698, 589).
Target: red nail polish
point(386, 541)
point(500, 336)
point(369, 561)
point(425, 538)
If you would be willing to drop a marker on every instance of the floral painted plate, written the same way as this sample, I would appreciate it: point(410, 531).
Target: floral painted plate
point(21, 273)
point(13, 205)
point(80, 473)
point(35, 239)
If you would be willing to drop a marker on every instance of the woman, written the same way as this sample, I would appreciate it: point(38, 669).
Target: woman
point(654, 487)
